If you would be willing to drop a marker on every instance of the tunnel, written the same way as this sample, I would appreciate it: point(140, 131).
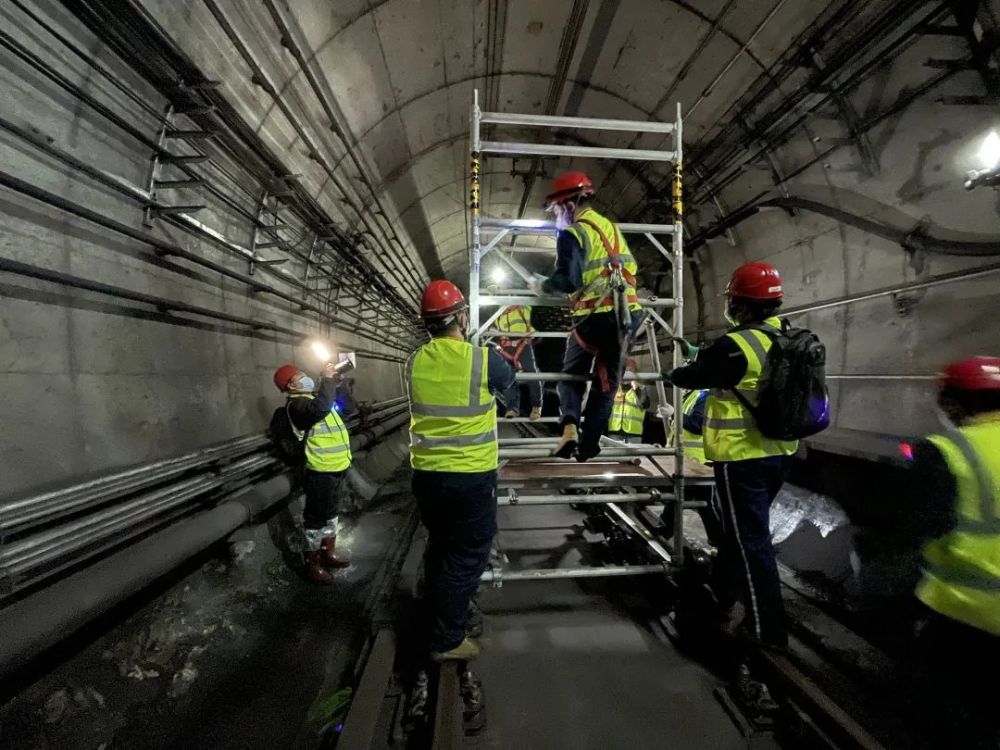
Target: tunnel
point(234, 519)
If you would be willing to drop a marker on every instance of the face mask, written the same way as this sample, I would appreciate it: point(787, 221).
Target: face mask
point(305, 384)
point(729, 316)
point(564, 216)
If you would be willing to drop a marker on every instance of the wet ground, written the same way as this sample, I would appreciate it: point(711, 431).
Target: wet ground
point(239, 652)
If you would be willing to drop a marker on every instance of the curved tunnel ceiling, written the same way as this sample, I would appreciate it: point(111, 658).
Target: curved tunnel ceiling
point(405, 81)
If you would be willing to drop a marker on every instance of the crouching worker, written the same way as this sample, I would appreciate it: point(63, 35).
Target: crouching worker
point(309, 432)
point(451, 385)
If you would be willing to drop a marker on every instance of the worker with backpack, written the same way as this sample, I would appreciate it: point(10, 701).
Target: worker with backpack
point(767, 390)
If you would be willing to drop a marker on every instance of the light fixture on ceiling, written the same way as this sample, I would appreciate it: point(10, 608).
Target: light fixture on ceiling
point(499, 275)
point(988, 173)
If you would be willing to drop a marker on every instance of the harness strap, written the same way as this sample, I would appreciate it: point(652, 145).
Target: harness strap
point(599, 367)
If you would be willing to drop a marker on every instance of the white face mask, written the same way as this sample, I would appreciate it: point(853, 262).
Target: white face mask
point(564, 216)
point(305, 384)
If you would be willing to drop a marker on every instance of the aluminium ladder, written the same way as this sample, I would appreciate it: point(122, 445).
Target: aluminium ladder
point(519, 468)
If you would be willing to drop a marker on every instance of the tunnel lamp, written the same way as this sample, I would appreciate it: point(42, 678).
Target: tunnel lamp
point(499, 275)
point(988, 173)
point(322, 351)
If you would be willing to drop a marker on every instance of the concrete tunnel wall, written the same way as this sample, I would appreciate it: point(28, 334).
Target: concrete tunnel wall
point(92, 383)
point(922, 154)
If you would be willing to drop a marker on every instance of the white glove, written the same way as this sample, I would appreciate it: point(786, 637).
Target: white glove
point(535, 285)
point(664, 411)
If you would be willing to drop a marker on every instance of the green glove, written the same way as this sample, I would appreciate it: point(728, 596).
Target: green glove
point(690, 351)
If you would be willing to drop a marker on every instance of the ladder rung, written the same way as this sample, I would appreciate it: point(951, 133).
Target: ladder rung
point(551, 300)
point(528, 420)
point(498, 577)
point(564, 377)
point(588, 123)
point(265, 245)
point(513, 498)
point(526, 226)
point(598, 152)
point(640, 450)
point(533, 335)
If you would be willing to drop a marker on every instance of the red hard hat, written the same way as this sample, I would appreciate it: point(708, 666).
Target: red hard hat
point(284, 375)
point(631, 365)
point(973, 374)
point(568, 185)
point(755, 281)
point(441, 299)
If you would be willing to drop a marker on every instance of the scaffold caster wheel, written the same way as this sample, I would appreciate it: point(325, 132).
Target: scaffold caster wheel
point(473, 702)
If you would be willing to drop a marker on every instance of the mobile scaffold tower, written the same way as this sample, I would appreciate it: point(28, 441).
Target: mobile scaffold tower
point(637, 473)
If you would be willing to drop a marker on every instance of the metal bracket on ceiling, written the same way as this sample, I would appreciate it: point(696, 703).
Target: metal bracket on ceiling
point(160, 158)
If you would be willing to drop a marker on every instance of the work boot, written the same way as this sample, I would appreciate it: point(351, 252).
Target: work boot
point(474, 624)
point(586, 452)
point(328, 548)
point(316, 570)
point(510, 414)
point(536, 412)
point(566, 446)
point(464, 651)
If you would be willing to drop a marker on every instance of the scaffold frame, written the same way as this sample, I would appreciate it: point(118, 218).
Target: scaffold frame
point(539, 449)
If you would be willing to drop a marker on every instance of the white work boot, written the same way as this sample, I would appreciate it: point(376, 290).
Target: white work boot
point(566, 446)
point(511, 414)
point(536, 412)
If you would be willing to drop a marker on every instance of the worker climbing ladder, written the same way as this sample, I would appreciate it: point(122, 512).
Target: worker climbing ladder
point(641, 474)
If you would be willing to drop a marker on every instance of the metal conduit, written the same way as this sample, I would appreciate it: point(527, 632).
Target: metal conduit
point(39, 65)
point(39, 621)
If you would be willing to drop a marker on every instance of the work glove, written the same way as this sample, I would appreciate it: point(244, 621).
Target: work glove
point(690, 351)
point(537, 280)
point(664, 411)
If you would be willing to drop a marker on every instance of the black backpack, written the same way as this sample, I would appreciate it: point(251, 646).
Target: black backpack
point(289, 447)
point(792, 399)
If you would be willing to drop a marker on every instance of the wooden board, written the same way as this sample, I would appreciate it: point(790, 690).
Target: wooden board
point(644, 471)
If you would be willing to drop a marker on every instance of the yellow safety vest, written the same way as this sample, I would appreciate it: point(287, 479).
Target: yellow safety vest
point(599, 237)
point(694, 445)
point(327, 443)
point(516, 319)
point(453, 415)
point(730, 431)
point(962, 569)
point(626, 414)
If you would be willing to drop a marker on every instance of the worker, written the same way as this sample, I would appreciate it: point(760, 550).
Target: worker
point(955, 502)
point(592, 260)
point(516, 319)
point(749, 468)
point(310, 414)
point(693, 424)
point(628, 412)
point(451, 385)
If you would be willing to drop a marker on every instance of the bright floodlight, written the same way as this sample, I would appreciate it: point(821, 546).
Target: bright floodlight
point(989, 152)
point(499, 275)
point(321, 351)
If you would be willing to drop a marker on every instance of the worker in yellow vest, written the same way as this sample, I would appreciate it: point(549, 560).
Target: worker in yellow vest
point(628, 412)
point(451, 386)
point(594, 266)
point(955, 502)
point(518, 349)
point(749, 467)
point(693, 425)
point(314, 426)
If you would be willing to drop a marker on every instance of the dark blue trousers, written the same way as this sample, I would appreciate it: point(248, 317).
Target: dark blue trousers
point(599, 331)
point(512, 397)
point(460, 514)
point(746, 567)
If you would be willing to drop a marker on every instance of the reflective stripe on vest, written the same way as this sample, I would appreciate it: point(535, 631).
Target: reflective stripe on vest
point(626, 414)
point(515, 319)
point(327, 443)
point(730, 431)
point(596, 256)
point(694, 445)
point(962, 568)
point(453, 417)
